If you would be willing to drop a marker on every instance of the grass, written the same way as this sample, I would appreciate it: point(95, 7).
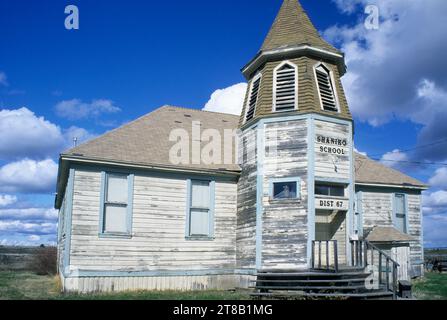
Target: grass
point(432, 287)
point(28, 286)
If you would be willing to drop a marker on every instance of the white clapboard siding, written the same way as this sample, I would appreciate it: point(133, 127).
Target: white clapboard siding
point(377, 207)
point(158, 233)
point(325, 163)
point(284, 237)
point(178, 283)
point(246, 202)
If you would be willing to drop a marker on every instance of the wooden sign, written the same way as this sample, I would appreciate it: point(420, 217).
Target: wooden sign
point(331, 204)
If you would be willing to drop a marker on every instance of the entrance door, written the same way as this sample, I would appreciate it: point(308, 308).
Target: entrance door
point(330, 226)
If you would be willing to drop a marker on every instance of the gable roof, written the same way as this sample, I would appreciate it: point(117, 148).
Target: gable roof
point(292, 27)
point(368, 171)
point(145, 141)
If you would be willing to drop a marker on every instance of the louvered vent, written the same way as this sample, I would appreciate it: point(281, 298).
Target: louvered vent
point(326, 89)
point(285, 96)
point(253, 99)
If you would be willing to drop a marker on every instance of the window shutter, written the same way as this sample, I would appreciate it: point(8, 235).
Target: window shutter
point(326, 89)
point(285, 94)
point(253, 99)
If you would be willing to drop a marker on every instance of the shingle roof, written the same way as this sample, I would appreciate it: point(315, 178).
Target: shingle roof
point(145, 141)
point(388, 234)
point(292, 27)
point(371, 172)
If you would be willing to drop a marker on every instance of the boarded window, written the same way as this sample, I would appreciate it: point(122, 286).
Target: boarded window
point(116, 204)
point(200, 210)
point(253, 98)
point(285, 88)
point(400, 214)
point(326, 89)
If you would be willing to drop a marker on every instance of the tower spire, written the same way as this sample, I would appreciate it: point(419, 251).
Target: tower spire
point(292, 27)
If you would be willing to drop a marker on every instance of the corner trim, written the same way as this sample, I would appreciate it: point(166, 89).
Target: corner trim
point(260, 192)
point(68, 222)
point(310, 187)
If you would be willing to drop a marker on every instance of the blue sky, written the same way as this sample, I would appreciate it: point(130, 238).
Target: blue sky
point(130, 57)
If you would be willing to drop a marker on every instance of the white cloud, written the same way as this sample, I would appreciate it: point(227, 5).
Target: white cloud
point(22, 214)
point(26, 135)
point(228, 100)
point(23, 134)
point(33, 228)
point(394, 73)
point(394, 159)
point(3, 79)
point(439, 179)
point(28, 176)
point(436, 199)
point(7, 200)
point(77, 109)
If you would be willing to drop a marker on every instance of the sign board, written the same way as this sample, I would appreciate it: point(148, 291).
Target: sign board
point(331, 204)
point(332, 145)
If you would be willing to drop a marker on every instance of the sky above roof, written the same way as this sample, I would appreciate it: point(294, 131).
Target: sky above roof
point(130, 57)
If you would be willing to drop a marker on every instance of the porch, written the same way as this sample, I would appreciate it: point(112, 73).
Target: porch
point(371, 274)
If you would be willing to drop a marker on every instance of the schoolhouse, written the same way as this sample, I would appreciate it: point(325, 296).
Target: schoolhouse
point(282, 198)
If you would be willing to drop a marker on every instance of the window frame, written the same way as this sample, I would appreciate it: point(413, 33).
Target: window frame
point(275, 76)
point(247, 105)
point(330, 185)
point(406, 219)
point(103, 233)
point(330, 74)
point(272, 183)
point(211, 211)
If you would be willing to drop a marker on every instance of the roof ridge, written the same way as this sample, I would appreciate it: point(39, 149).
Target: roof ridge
point(71, 150)
point(200, 110)
point(420, 183)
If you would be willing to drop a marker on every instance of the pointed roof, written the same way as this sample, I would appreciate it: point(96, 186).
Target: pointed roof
point(292, 27)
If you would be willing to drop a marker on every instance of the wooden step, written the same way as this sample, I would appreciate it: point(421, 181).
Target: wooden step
point(349, 280)
point(310, 288)
point(288, 295)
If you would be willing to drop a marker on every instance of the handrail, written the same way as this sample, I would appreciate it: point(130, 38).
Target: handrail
point(319, 264)
point(369, 244)
point(360, 259)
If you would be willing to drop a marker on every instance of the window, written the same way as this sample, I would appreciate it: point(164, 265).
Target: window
point(253, 98)
point(200, 222)
point(286, 89)
point(329, 190)
point(326, 88)
point(116, 204)
point(281, 189)
point(400, 213)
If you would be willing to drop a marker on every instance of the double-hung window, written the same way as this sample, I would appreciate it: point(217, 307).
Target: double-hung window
point(116, 204)
point(400, 212)
point(200, 210)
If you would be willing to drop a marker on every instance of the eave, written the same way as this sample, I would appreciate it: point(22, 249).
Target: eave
point(289, 52)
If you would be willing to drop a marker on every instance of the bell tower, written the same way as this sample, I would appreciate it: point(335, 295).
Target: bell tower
point(297, 184)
